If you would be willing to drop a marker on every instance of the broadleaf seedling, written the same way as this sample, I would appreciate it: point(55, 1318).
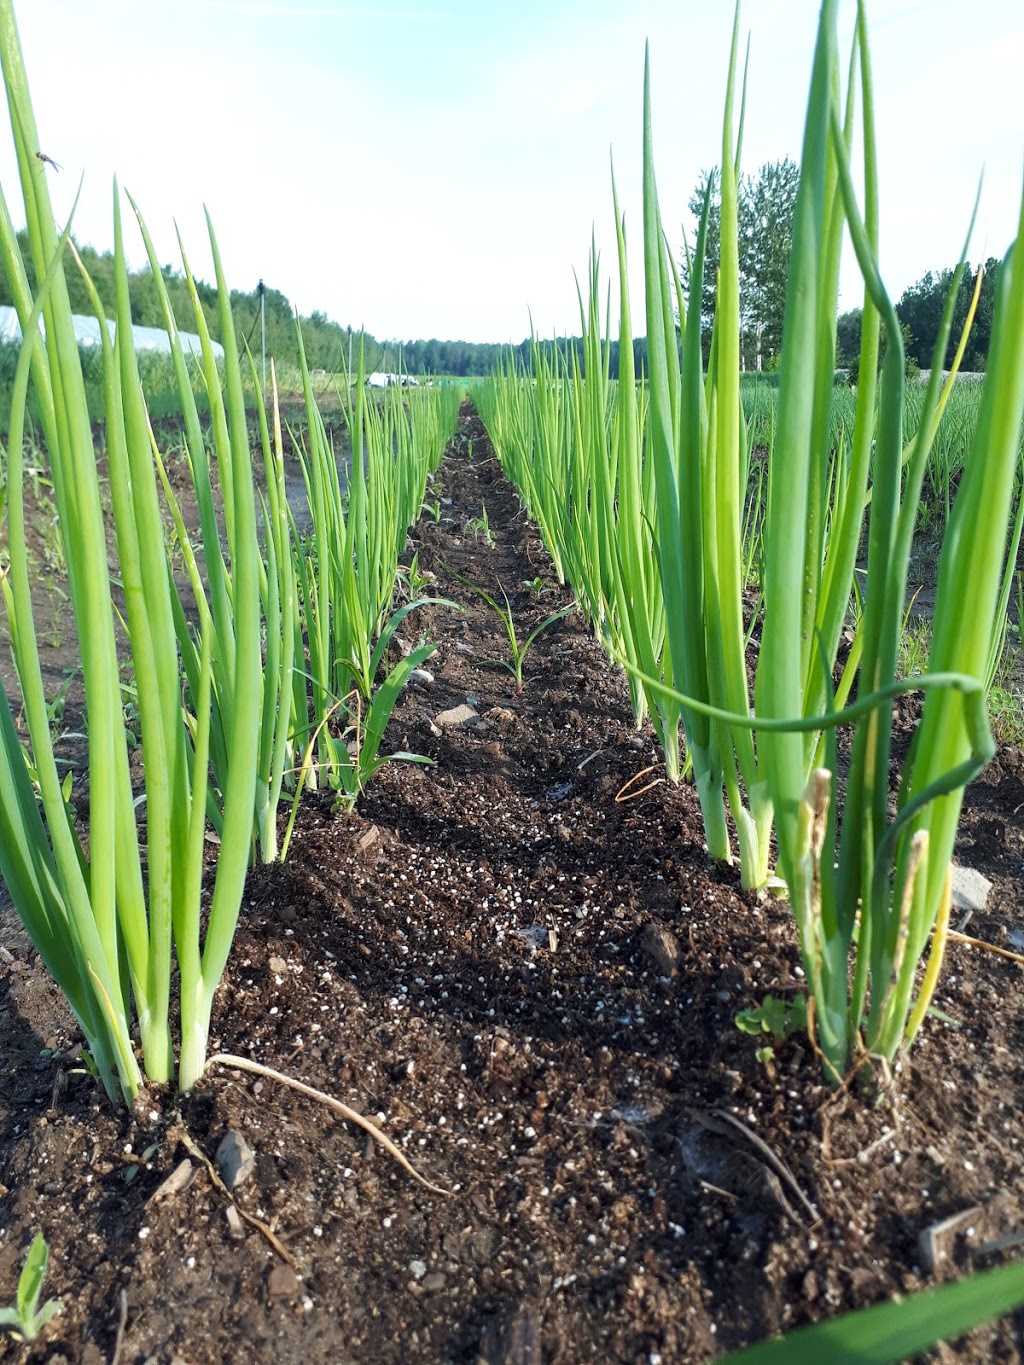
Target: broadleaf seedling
point(776, 1017)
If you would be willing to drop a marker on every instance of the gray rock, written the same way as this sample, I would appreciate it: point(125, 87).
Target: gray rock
point(423, 676)
point(456, 716)
point(235, 1159)
point(369, 838)
point(970, 889)
point(179, 1179)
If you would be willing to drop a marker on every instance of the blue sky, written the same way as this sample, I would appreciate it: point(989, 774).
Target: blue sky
point(436, 169)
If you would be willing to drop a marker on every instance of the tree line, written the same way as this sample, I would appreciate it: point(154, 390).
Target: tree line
point(765, 211)
point(328, 345)
point(765, 208)
point(919, 309)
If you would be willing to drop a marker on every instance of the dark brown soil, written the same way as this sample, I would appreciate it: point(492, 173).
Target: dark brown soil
point(531, 987)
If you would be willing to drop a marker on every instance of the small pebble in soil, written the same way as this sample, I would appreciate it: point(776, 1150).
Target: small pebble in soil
point(456, 716)
point(282, 1282)
point(234, 1159)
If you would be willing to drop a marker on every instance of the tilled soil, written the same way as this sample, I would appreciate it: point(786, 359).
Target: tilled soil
point(520, 963)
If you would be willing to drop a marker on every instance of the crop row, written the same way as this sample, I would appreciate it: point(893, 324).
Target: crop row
point(749, 566)
point(255, 673)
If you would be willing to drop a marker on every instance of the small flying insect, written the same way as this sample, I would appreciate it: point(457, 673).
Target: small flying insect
point(47, 160)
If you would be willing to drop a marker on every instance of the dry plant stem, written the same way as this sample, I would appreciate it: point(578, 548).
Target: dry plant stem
point(275, 1242)
point(954, 937)
point(121, 1324)
point(776, 1163)
point(243, 1064)
point(862, 1156)
point(716, 1189)
point(626, 792)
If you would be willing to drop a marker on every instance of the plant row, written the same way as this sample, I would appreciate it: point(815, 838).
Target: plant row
point(255, 672)
point(661, 504)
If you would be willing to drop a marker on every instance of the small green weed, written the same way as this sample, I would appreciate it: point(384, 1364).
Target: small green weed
point(519, 651)
point(480, 528)
point(538, 586)
point(416, 582)
point(775, 1017)
point(26, 1319)
point(915, 644)
point(1006, 713)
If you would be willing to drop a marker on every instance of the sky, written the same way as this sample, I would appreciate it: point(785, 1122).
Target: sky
point(437, 168)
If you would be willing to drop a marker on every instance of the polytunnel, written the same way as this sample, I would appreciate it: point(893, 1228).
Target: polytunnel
point(87, 333)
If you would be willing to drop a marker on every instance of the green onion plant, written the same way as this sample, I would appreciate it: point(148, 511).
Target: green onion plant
point(888, 1333)
point(104, 916)
point(346, 570)
point(867, 890)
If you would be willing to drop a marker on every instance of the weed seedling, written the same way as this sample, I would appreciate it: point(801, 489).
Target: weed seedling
point(775, 1017)
point(416, 581)
point(480, 528)
point(519, 651)
point(538, 586)
point(26, 1319)
point(55, 707)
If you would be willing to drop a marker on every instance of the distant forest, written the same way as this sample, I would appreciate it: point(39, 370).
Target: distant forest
point(919, 310)
point(330, 346)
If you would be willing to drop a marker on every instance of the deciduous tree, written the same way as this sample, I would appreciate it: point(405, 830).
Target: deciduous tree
point(767, 201)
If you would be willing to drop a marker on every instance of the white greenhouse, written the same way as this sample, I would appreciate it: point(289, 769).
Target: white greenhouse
point(87, 333)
